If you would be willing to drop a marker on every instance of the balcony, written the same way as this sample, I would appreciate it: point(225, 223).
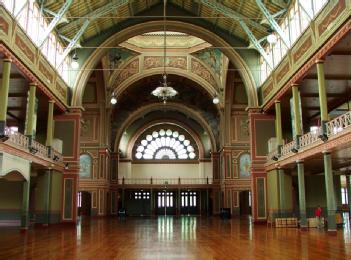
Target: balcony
point(21, 144)
point(166, 182)
point(337, 134)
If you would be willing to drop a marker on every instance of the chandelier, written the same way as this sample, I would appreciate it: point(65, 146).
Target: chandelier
point(164, 91)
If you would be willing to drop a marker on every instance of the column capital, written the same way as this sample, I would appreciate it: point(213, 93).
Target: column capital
point(7, 60)
point(51, 101)
point(300, 161)
point(319, 61)
point(325, 152)
point(276, 101)
point(34, 84)
point(295, 85)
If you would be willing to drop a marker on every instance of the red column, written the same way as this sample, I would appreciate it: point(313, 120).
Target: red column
point(258, 159)
point(67, 128)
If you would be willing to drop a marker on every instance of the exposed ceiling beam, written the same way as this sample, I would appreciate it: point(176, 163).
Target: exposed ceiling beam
point(105, 9)
point(233, 14)
point(131, 9)
point(275, 26)
point(14, 76)
point(74, 41)
point(340, 53)
point(13, 116)
point(226, 11)
point(335, 103)
point(95, 24)
point(12, 95)
point(312, 95)
point(329, 77)
point(17, 108)
point(55, 21)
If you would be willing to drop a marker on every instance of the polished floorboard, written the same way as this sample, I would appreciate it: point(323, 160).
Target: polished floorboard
point(172, 238)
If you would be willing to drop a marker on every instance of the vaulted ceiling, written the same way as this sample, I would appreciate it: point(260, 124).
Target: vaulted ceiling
point(104, 14)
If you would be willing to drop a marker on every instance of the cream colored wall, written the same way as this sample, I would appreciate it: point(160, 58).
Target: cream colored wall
point(164, 171)
point(124, 170)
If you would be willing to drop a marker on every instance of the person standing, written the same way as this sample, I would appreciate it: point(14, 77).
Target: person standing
point(318, 214)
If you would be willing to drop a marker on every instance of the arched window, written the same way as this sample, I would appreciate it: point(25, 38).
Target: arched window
point(165, 145)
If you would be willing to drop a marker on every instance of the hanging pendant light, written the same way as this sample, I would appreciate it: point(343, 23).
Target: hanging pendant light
point(164, 91)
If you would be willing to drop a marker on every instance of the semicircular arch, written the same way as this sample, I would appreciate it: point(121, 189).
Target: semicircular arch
point(198, 31)
point(212, 89)
point(171, 105)
point(151, 124)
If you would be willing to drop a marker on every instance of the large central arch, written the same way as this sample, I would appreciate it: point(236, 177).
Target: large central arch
point(158, 106)
point(177, 26)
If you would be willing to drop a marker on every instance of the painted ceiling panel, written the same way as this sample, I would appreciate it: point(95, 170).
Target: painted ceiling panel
point(82, 8)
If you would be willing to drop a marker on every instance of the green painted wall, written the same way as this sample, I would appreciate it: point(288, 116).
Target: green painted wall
point(315, 193)
point(10, 200)
point(265, 129)
point(64, 130)
point(273, 192)
point(55, 200)
point(56, 191)
point(288, 193)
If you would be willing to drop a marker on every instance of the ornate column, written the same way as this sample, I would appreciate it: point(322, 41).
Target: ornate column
point(278, 125)
point(322, 97)
point(329, 186)
point(302, 198)
point(297, 114)
point(4, 93)
point(282, 204)
point(25, 205)
point(50, 126)
point(30, 124)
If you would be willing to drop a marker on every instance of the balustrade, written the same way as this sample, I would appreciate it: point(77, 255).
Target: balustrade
point(170, 181)
point(309, 138)
point(17, 139)
point(287, 148)
point(21, 141)
point(338, 124)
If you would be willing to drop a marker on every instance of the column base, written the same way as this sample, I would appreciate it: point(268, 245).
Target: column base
point(24, 229)
point(304, 228)
point(332, 232)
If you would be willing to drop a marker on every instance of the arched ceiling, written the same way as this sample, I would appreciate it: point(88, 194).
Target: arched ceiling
point(105, 14)
point(191, 96)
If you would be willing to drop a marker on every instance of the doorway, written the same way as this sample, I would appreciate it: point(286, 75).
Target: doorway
point(245, 202)
point(84, 203)
point(166, 203)
point(189, 203)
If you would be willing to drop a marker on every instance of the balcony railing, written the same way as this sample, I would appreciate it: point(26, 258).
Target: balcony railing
point(41, 150)
point(309, 138)
point(333, 127)
point(287, 148)
point(22, 142)
point(338, 124)
point(17, 139)
point(170, 181)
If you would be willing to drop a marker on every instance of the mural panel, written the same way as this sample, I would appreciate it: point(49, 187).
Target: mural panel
point(245, 165)
point(85, 162)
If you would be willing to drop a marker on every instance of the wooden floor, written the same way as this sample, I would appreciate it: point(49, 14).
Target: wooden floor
point(172, 238)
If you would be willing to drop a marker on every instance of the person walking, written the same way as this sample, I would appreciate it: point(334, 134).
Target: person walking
point(318, 214)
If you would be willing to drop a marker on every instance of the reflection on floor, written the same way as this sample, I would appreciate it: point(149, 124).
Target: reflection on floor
point(172, 238)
